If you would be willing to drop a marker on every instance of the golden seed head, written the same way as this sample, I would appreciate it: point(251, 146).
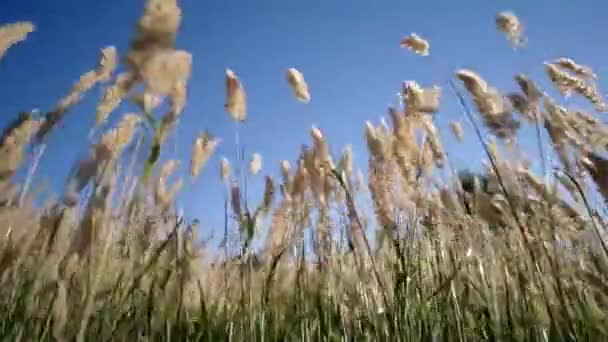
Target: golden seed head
point(316, 135)
point(255, 164)
point(236, 99)
point(165, 69)
point(457, 130)
point(113, 96)
point(298, 85)
point(161, 18)
point(571, 65)
point(421, 100)
point(12, 34)
point(529, 88)
point(476, 85)
point(509, 24)
point(346, 161)
point(202, 150)
point(416, 44)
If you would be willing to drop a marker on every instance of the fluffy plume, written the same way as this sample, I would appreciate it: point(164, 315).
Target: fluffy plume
point(255, 164)
point(509, 24)
point(236, 99)
point(346, 161)
point(12, 34)
point(580, 70)
point(165, 196)
point(456, 128)
point(491, 104)
point(165, 69)
point(202, 150)
point(421, 100)
point(298, 85)
point(416, 44)
point(13, 142)
point(113, 96)
point(567, 83)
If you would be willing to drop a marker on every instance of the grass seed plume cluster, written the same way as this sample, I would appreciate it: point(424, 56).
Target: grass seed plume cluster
point(508, 253)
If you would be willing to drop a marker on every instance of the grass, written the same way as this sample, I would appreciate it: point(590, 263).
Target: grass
point(499, 256)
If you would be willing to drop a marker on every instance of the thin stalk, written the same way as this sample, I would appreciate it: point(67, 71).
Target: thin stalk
point(30, 174)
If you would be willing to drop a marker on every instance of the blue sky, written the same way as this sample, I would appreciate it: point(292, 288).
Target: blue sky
point(348, 51)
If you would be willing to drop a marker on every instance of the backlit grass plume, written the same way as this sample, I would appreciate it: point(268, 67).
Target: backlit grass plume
point(405, 247)
point(416, 44)
point(203, 148)
point(236, 99)
point(11, 34)
point(298, 85)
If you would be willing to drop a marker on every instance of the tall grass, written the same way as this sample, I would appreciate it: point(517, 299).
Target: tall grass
point(499, 255)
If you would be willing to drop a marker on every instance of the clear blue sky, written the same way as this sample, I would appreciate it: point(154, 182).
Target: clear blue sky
point(348, 51)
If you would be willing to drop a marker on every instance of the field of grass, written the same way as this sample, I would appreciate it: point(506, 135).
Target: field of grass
point(508, 254)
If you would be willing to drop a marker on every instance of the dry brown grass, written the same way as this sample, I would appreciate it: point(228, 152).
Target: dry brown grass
point(469, 257)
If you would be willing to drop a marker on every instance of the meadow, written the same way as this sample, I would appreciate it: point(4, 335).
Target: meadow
point(510, 253)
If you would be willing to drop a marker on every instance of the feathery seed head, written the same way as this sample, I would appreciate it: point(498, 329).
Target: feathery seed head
point(457, 130)
point(571, 65)
point(416, 44)
point(202, 150)
point(12, 34)
point(224, 169)
point(113, 96)
point(236, 99)
point(421, 100)
point(298, 85)
point(255, 164)
point(346, 161)
point(509, 24)
point(165, 69)
point(161, 18)
point(473, 82)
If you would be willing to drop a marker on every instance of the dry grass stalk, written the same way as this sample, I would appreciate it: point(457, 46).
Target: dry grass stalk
point(87, 81)
point(225, 169)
